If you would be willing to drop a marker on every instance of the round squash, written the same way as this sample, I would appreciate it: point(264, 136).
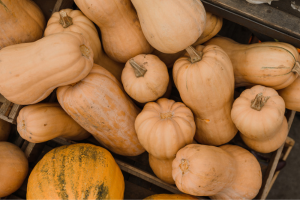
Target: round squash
point(291, 95)
point(4, 130)
point(272, 64)
point(99, 104)
point(145, 78)
point(36, 69)
point(171, 196)
point(13, 168)
point(122, 37)
point(46, 121)
point(20, 21)
point(259, 116)
point(171, 26)
point(206, 85)
point(78, 171)
point(68, 20)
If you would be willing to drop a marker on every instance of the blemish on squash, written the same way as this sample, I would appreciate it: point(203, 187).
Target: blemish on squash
point(103, 191)
point(23, 124)
point(45, 124)
point(166, 115)
point(184, 166)
point(85, 51)
point(205, 120)
point(5, 7)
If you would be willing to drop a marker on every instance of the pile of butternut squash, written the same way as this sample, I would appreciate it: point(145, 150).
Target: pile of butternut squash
point(119, 94)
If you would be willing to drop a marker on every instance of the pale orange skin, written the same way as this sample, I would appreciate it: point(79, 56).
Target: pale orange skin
point(267, 63)
point(13, 168)
point(4, 130)
point(265, 130)
point(99, 104)
point(291, 95)
point(121, 33)
point(171, 196)
point(20, 21)
point(78, 171)
point(31, 71)
point(46, 121)
point(81, 24)
point(207, 88)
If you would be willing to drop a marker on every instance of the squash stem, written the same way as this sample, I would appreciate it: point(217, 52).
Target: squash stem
point(259, 102)
point(296, 68)
point(65, 20)
point(195, 55)
point(139, 70)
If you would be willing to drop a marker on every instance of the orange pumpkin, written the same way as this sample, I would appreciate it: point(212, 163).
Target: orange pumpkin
point(206, 85)
point(291, 95)
point(99, 104)
point(78, 171)
point(4, 130)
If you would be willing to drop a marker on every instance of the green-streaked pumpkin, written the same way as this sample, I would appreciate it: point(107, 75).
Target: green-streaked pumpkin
point(78, 171)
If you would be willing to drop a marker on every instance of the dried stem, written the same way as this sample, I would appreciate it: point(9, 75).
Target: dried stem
point(139, 70)
point(259, 102)
point(195, 55)
point(65, 20)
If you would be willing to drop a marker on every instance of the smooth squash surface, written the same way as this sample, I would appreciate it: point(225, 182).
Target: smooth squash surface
point(291, 95)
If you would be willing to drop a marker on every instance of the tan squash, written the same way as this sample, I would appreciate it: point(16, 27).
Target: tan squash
point(272, 64)
point(171, 196)
point(291, 95)
point(13, 168)
point(171, 26)
point(36, 69)
point(46, 121)
point(68, 20)
point(5, 128)
point(206, 85)
point(99, 104)
point(168, 59)
point(20, 21)
point(122, 37)
point(145, 78)
point(226, 172)
point(259, 116)
point(164, 127)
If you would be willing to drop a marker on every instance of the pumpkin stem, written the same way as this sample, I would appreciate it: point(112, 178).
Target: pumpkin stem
point(184, 166)
point(139, 70)
point(85, 51)
point(259, 102)
point(65, 20)
point(195, 55)
point(296, 68)
point(166, 115)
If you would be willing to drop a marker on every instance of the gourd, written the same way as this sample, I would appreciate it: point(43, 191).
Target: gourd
point(78, 171)
point(122, 37)
point(68, 20)
point(171, 26)
point(259, 116)
point(272, 64)
point(164, 127)
point(291, 95)
point(145, 78)
point(46, 121)
point(13, 168)
point(206, 85)
point(4, 130)
point(36, 69)
point(226, 172)
point(99, 104)
point(171, 196)
point(20, 21)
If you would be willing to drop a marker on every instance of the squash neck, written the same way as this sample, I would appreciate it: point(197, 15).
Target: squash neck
point(139, 70)
point(296, 68)
point(65, 20)
point(259, 102)
point(195, 56)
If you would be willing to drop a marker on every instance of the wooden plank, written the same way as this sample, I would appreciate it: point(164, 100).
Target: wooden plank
point(57, 6)
point(14, 112)
point(6, 119)
point(5, 108)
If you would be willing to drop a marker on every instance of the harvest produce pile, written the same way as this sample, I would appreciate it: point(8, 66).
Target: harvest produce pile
point(120, 96)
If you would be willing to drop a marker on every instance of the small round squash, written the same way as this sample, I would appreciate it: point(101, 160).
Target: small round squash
point(145, 78)
point(13, 168)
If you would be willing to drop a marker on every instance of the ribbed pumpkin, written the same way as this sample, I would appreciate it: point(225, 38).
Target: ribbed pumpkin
point(259, 116)
point(4, 130)
point(121, 33)
point(145, 78)
point(272, 64)
point(13, 168)
point(68, 20)
point(163, 127)
point(206, 85)
point(46, 121)
point(78, 171)
point(99, 104)
point(171, 26)
point(20, 21)
point(36, 69)
point(226, 172)
point(171, 196)
point(291, 95)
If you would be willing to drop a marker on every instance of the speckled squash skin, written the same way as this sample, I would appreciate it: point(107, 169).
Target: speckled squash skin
point(170, 196)
point(78, 171)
